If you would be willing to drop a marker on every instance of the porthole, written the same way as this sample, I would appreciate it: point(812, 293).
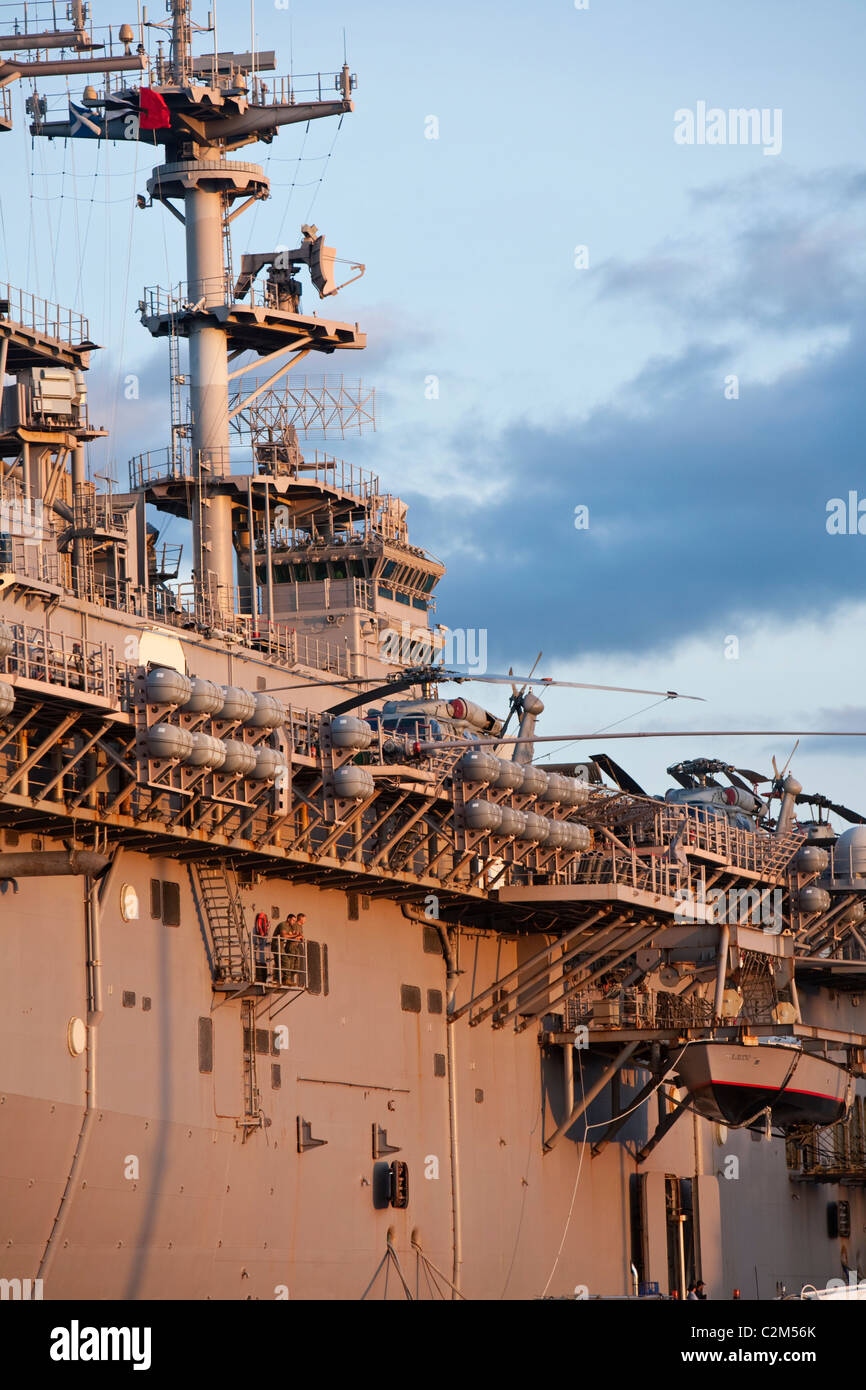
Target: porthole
point(128, 903)
point(76, 1036)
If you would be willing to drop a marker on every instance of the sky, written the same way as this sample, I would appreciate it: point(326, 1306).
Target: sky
point(566, 308)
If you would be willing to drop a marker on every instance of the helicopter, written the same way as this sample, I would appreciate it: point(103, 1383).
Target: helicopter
point(430, 718)
point(426, 724)
point(740, 804)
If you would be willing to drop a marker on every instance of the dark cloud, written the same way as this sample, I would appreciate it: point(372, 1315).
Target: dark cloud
point(704, 513)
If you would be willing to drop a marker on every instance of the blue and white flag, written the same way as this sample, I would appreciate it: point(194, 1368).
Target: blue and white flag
point(119, 121)
point(83, 125)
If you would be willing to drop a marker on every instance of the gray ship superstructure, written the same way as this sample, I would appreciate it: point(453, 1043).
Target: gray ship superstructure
point(522, 1050)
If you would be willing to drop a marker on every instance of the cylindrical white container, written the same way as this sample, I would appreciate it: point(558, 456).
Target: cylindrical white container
point(165, 686)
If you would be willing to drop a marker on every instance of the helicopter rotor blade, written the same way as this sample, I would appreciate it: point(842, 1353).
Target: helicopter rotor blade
point(731, 774)
point(517, 695)
point(531, 670)
point(652, 733)
point(685, 779)
point(513, 704)
point(403, 679)
point(816, 799)
point(460, 676)
point(790, 756)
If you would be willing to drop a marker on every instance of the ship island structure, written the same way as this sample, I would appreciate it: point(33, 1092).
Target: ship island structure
point(520, 1049)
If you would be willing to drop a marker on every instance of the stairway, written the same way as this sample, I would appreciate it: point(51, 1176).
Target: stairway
point(224, 917)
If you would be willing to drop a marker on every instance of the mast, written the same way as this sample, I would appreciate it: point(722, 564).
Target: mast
point(181, 39)
point(200, 110)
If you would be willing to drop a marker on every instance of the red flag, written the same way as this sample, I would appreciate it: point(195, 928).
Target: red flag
point(154, 112)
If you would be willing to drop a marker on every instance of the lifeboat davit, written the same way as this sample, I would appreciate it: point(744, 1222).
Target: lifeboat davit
point(734, 1083)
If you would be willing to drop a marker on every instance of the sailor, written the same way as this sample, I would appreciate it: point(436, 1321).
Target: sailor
point(260, 946)
point(297, 950)
point(281, 947)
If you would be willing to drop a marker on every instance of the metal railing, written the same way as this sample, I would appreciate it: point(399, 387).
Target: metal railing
point(837, 1154)
point(642, 823)
point(164, 561)
point(41, 315)
point(96, 512)
point(160, 465)
point(210, 291)
point(633, 1008)
point(165, 465)
point(178, 605)
point(283, 968)
point(23, 558)
point(286, 90)
point(329, 472)
point(322, 656)
point(340, 594)
point(57, 658)
point(332, 474)
point(761, 853)
point(649, 873)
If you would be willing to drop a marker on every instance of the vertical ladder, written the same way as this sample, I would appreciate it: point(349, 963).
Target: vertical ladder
point(224, 916)
point(177, 426)
point(206, 593)
point(227, 249)
point(252, 1096)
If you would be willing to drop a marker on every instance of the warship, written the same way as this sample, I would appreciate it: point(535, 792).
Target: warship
point(540, 1033)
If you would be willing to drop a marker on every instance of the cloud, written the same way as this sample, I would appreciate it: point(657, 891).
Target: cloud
point(779, 251)
point(706, 513)
point(703, 512)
